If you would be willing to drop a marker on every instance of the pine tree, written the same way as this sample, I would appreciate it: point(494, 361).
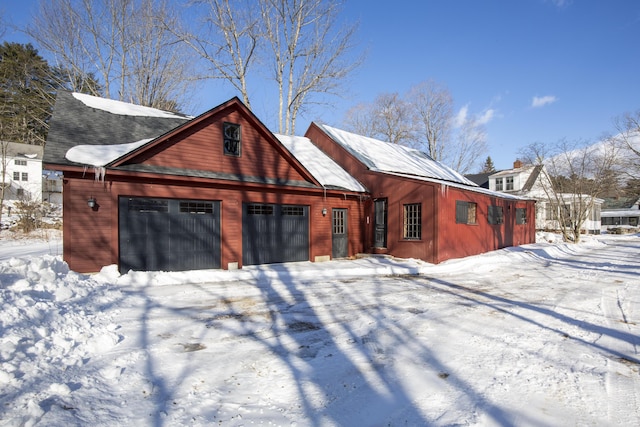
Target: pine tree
point(488, 167)
point(26, 94)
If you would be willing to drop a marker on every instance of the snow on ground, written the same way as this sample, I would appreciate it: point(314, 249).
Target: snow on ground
point(541, 335)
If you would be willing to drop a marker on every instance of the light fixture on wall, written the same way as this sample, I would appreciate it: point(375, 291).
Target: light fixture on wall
point(324, 211)
point(91, 202)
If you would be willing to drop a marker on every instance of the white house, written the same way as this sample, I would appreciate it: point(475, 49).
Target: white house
point(22, 170)
point(529, 181)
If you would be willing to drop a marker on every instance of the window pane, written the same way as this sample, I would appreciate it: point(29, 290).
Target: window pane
point(472, 213)
point(412, 221)
point(461, 212)
point(509, 183)
point(231, 135)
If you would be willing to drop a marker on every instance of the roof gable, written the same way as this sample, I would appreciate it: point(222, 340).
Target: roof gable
point(197, 145)
point(380, 156)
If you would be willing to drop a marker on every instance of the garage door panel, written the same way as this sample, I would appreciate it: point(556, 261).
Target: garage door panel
point(274, 233)
point(166, 234)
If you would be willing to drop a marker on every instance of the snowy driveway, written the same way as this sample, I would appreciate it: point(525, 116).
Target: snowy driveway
point(540, 335)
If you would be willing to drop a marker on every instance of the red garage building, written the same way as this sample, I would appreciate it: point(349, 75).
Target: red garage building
point(152, 190)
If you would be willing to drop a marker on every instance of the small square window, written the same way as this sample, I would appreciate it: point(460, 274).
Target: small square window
point(521, 215)
point(20, 162)
point(466, 212)
point(495, 215)
point(231, 135)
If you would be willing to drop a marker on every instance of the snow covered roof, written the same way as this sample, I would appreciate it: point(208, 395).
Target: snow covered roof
point(383, 156)
point(124, 108)
point(102, 155)
point(84, 120)
point(322, 167)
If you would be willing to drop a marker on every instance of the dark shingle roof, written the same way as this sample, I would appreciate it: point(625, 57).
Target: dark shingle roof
point(73, 120)
point(482, 179)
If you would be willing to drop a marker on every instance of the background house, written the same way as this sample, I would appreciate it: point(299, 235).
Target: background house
point(22, 167)
point(531, 182)
point(620, 213)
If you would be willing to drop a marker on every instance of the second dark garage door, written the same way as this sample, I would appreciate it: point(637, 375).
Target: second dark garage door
point(274, 233)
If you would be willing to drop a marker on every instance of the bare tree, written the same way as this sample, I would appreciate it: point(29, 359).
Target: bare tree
point(310, 53)
point(228, 41)
point(389, 118)
point(433, 106)
point(422, 119)
point(628, 137)
point(574, 175)
point(299, 44)
point(463, 152)
point(120, 42)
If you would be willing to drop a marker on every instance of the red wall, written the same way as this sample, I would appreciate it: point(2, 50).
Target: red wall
point(442, 238)
point(460, 240)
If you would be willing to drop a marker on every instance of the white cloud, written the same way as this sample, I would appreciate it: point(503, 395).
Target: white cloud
point(541, 101)
point(461, 117)
point(562, 3)
point(487, 116)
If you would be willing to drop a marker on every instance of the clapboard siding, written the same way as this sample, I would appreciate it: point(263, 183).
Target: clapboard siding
point(201, 148)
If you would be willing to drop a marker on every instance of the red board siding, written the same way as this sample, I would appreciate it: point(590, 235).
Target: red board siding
point(200, 147)
point(442, 238)
point(91, 237)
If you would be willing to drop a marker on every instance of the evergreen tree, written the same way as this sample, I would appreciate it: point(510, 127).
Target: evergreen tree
point(26, 94)
point(488, 167)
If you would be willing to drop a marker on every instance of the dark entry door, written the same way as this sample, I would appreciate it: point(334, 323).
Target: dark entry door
point(168, 234)
point(380, 224)
point(274, 233)
point(339, 236)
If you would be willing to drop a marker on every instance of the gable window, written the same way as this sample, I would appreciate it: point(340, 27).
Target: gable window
point(466, 212)
point(521, 215)
point(499, 184)
point(231, 136)
point(509, 183)
point(20, 162)
point(412, 228)
point(495, 215)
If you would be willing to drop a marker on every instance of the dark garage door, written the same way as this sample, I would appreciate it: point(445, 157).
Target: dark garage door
point(274, 233)
point(168, 234)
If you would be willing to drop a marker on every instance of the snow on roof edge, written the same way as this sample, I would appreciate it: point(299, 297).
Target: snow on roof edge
point(381, 156)
point(124, 108)
point(322, 167)
point(102, 155)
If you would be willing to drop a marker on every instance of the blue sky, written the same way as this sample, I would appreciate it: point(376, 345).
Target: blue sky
point(534, 70)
